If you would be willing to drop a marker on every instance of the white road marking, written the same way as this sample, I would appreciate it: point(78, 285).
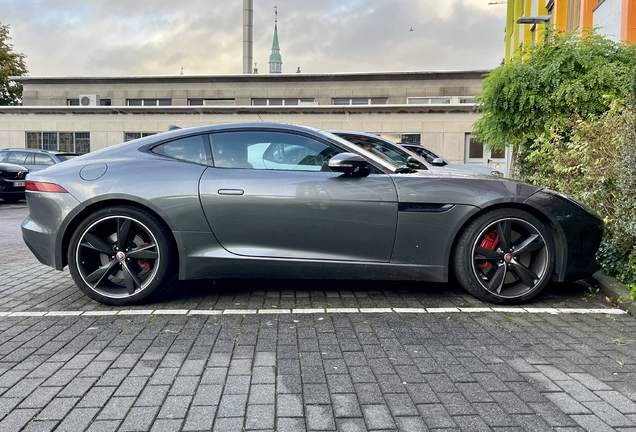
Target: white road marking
point(448, 310)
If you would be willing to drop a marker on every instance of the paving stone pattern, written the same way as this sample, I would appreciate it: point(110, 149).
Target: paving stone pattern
point(310, 372)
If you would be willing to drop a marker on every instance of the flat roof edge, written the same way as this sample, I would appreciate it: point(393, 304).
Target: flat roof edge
point(340, 76)
point(243, 109)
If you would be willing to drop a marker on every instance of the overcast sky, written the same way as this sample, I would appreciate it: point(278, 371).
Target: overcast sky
point(159, 37)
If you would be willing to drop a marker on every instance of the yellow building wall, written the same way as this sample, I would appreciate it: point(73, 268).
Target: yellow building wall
point(521, 34)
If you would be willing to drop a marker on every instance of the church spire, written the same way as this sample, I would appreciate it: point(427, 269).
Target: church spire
point(275, 60)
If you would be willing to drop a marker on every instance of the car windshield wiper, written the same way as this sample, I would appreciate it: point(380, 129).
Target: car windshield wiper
point(404, 170)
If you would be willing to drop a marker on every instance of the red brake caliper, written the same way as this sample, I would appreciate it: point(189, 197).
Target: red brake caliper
point(143, 262)
point(490, 241)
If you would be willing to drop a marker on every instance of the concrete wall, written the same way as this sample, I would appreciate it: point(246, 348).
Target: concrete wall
point(44, 94)
point(441, 132)
point(442, 127)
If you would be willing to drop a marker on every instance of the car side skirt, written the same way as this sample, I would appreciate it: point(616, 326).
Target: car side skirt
point(205, 261)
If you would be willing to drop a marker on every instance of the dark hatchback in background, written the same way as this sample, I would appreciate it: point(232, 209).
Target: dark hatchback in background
point(34, 159)
point(12, 180)
point(279, 200)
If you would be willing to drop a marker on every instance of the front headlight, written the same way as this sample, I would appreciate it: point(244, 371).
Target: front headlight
point(496, 173)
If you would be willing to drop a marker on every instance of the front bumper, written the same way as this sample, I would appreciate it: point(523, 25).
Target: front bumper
point(43, 229)
point(580, 234)
point(9, 190)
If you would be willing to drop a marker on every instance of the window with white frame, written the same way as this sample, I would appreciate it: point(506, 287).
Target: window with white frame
point(72, 142)
point(574, 15)
point(282, 101)
point(359, 101)
point(129, 136)
point(428, 100)
point(410, 138)
point(149, 102)
point(210, 102)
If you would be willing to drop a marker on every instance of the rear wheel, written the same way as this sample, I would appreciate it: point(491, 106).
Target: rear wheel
point(505, 256)
point(120, 255)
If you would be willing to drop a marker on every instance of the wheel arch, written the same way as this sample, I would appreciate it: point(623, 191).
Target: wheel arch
point(95, 206)
point(557, 234)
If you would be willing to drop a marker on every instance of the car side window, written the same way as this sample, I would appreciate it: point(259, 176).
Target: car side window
point(270, 151)
point(424, 153)
point(18, 157)
point(3, 155)
point(43, 159)
point(190, 149)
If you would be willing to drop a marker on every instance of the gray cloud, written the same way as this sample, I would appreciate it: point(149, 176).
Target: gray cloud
point(158, 37)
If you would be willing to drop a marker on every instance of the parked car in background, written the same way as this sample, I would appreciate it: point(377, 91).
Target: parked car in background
point(34, 159)
point(279, 200)
point(435, 159)
point(12, 182)
point(401, 152)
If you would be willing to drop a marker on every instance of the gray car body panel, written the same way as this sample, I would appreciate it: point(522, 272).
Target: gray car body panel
point(308, 215)
point(382, 226)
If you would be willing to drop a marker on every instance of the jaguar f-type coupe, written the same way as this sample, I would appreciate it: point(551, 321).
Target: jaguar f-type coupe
point(283, 201)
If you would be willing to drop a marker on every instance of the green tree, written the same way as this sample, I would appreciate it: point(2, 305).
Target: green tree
point(537, 94)
point(11, 64)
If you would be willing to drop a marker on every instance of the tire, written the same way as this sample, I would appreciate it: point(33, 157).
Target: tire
point(506, 269)
point(115, 272)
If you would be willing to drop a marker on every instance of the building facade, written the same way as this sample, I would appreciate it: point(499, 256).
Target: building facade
point(527, 20)
point(436, 109)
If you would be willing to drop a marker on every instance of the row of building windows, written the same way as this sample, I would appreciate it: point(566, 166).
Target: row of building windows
point(411, 138)
point(80, 142)
point(287, 101)
point(71, 142)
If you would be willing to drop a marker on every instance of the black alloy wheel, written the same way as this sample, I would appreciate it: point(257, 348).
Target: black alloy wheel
point(504, 256)
point(120, 255)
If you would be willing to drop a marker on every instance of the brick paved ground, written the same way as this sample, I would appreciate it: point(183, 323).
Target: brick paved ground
point(257, 368)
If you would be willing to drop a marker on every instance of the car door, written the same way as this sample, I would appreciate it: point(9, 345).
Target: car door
point(271, 194)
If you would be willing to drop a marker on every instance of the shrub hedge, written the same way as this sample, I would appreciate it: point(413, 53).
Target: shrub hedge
point(594, 161)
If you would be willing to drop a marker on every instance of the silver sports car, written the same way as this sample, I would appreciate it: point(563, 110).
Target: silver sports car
point(275, 200)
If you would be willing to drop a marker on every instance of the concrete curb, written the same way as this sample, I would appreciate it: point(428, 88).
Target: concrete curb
point(616, 290)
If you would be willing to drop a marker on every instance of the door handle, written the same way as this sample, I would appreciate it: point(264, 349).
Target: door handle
point(231, 191)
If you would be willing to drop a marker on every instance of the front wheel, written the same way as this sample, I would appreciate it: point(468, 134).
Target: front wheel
point(120, 255)
point(504, 256)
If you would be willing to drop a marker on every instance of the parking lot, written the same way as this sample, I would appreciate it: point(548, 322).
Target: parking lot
point(295, 355)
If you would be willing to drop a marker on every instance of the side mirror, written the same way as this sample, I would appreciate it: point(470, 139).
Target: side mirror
point(411, 162)
point(438, 162)
point(349, 163)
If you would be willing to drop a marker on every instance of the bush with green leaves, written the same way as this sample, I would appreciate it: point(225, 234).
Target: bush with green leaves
point(595, 162)
point(538, 92)
point(564, 106)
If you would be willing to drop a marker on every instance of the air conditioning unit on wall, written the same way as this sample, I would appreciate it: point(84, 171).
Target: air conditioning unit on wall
point(89, 100)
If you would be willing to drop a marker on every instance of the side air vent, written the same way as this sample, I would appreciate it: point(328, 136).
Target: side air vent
point(427, 208)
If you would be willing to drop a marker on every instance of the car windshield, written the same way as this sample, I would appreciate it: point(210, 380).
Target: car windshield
point(386, 161)
point(426, 154)
point(65, 157)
